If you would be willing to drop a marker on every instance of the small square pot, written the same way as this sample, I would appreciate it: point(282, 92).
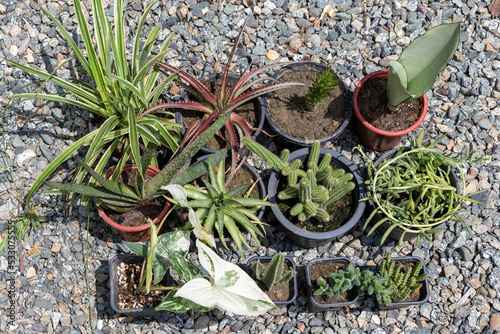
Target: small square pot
point(114, 289)
point(424, 289)
point(291, 264)
point(314, 306)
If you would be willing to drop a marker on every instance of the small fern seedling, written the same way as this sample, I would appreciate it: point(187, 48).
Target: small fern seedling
point(323, 85)
point(274, 273)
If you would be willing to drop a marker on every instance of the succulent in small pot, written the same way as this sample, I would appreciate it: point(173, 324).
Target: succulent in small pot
point(223, 210)
point(406, 281)
point(413, 193)
point(318, 201)
point(384, 120)
point(323, 110)
point(317, 272)
point(225, 99)
point(276, 275)
point(122, 198)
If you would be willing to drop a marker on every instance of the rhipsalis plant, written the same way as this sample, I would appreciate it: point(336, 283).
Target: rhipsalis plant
point(217, 207)
point(412, 190)
point(316, 188)
point(344, 280)
point(323, 85)
point(274, 273)
point(401, 281)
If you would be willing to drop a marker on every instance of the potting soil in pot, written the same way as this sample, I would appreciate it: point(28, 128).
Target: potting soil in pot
point(128, 282)
point(372, 104)
point(287, 109)
point(323, 270)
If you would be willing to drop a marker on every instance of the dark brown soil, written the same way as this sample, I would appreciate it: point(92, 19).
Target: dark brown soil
point(250, 112)
point(323, 270)
point(340, 212)
point(280, 292)
point(128, 281)
point(140, 214)
point(287, 109)
point(372, 104)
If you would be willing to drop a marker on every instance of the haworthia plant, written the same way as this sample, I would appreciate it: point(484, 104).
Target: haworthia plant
point(121, 197)
point(414, 73)
point(274, 273)
point(316, 188)
point(344, 280)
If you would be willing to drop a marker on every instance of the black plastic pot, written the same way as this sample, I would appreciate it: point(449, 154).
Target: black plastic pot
point(257, 102)
point(315, 239)
point(424, 290)
point(291, 264)
point(314, 306)
point(114, 289)
point(260, 185)
point(307, 66)
point(397, 232)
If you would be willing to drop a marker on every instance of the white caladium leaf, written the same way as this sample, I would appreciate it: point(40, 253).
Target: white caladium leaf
point(230, 288)
point(179, 195)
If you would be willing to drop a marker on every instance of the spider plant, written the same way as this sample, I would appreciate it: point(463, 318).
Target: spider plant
point(225, 99)
point(119, 91)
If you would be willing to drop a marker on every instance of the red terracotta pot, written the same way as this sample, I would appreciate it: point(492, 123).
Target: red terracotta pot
point(135, 233)
point(374, 138)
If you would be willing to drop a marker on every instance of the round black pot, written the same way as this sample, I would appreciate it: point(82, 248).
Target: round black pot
point(285, 138)
point(315, 239)
point(314, 306)
point(260, 184)
point(397, 232)
point(257, 103)
point(291, 264)
point(424, 290)
point(114, 289)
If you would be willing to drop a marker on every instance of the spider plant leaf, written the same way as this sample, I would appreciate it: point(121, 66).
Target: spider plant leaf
point(248, 202)
point(234, 232)
point(94, 191)
point(220, 226)
point(57, 162)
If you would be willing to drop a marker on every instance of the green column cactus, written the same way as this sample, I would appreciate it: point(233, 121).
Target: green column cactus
point(316, 188)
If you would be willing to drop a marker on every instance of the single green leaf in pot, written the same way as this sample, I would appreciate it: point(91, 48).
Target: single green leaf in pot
point(414, 73)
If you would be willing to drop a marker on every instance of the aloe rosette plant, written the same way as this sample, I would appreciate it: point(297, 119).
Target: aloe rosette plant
point(226, 98)
point(119, 91)
point(316, 188)
point(218, 208)
point(414, 73)
point(275, 272)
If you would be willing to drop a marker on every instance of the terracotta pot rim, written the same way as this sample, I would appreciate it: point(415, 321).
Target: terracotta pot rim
point(384, 74)
point(140, 228)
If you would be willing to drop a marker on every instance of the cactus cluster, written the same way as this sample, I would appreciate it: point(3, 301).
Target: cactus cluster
point(344, 280)
point(401, 281)
point(316, 188)
point(274, 273)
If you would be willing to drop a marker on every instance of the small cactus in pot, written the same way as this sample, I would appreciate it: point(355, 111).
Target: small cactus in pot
point(274, 273)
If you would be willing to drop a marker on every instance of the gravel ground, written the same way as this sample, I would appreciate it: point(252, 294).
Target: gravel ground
point(358, 38)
